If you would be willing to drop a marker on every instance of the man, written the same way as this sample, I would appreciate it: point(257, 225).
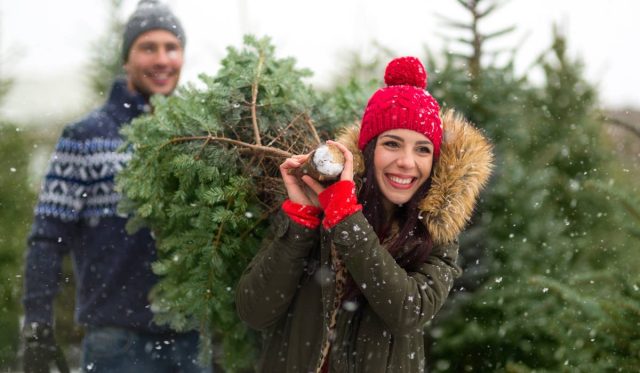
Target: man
point(76, 213)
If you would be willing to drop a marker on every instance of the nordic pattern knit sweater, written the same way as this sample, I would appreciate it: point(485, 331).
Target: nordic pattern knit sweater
point(76, 213)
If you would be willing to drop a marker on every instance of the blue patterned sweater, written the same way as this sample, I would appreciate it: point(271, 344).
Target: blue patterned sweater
point(76, 213)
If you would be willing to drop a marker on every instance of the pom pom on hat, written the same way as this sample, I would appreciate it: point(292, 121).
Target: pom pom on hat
point(406, 71)
point(403, 104)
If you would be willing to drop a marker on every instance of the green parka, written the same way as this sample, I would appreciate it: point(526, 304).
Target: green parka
point(288, 289)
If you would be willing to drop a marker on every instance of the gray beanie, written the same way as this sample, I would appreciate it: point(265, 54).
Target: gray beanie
point(150, 15)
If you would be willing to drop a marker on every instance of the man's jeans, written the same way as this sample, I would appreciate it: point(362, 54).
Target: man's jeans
point(123, 351)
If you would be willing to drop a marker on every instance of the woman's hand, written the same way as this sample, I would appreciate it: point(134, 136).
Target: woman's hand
point(347, 171)
point(306, 193)
point(298, 192)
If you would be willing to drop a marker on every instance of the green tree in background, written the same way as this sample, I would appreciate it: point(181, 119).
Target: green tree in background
point(106, 52)
point(345, 102)
point(16, 200)
point(549, 239)
point(552, 294)
point(5, 86)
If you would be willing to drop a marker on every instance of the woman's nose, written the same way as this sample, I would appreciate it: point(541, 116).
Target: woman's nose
point(405, 159)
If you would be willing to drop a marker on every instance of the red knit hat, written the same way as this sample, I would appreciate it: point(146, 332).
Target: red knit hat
point(403, 104)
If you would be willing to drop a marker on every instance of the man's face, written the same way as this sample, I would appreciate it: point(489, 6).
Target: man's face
point(154, 63)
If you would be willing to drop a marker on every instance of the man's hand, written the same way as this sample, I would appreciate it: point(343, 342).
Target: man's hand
point(41, 350)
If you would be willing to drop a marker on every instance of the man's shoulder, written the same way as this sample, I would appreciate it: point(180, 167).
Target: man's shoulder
point(97, 132)
point(97, 123)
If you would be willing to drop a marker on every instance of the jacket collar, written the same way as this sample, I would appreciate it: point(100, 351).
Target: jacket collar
point(460, 173)
point(125, 105)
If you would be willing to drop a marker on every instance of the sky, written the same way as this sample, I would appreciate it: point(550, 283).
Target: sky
point(45, 45)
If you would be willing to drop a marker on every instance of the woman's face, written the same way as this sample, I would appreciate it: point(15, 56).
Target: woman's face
point(402, 160)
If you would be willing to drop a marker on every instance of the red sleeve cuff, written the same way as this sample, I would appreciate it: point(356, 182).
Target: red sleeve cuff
point(338, 201)
point(307, 216)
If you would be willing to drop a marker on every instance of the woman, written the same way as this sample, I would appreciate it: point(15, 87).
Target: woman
point(350, 279)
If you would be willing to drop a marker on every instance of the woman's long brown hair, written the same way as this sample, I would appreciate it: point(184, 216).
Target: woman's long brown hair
point(412, 244)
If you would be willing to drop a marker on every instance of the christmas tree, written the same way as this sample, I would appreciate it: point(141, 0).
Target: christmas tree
point(548, 283)
point(204, 178)
point(16, 200)
point(105, 63)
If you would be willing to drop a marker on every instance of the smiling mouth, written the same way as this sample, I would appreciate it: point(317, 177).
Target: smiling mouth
point(160, 77)
point(400, 182)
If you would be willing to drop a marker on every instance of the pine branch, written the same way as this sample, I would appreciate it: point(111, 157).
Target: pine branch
point(620, 123)
point(259, 221)
point(257, 148)
point(465, 4)
point(197, 157)
point(307, 121)
point(312, 128)
point(490, 9)
point(254, 99)
point(631, 209)
point(286, 129)
point(218, 238)
point(499, 33)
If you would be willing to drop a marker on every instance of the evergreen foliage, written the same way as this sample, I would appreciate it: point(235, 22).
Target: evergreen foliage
point(106, 60)
point(204, 178)
point(16, 200)
point(549, 294)
point(344, 104)
point(5, 86)
point(626, 198)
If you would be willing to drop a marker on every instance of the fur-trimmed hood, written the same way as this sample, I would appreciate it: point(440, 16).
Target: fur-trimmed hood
point(460, 173)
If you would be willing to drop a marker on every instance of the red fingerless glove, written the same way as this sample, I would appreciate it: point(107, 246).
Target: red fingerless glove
point(307, 216)
point(338, 201)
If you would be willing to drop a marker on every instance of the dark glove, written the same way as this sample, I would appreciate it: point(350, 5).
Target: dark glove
point(41, 350)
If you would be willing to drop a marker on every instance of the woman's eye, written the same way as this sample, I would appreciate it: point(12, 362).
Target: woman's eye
point(424, 150)
point(391, 144)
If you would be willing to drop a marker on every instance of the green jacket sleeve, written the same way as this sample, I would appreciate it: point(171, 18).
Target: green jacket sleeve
point(269, 283)
point(403, 300)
